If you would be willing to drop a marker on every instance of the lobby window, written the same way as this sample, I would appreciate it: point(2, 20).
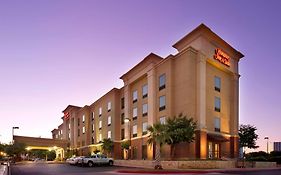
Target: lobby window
point(109, 134)
point(93, 115)
point(83, 118)
point(135, 131)
point(144, 91)
point(109, 106)
point(100, 124)
point(144, 109)
point(83, 129)
point(217, 104)
point(135, 96)
point(217, 83)
point(144, 128)
point(78, 132)
point(100, 138)
point(162, 82)
point(109, 120)
point(122, 134)
point(135, 113)
point(100, 111)
point(78, 121)
point(217, 123)
point(163, 120)
point(162, 103)
point(93, 127)
point(122, 119)
point(122, 103)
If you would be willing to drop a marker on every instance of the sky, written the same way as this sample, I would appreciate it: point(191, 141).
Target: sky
point(55, 53)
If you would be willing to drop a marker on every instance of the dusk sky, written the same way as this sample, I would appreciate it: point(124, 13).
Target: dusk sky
point(55, 53)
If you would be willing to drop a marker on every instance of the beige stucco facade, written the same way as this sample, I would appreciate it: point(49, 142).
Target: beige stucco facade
point(201, 81)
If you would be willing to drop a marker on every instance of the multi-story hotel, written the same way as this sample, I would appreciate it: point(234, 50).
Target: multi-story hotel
point(200, 81)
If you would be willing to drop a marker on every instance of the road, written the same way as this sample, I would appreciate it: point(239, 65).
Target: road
point(65, 169)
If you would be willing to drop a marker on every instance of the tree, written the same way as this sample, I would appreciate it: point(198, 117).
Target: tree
point(248, 137)
point(158, 135)
point(15, 149)
point(107, 146)
point(180, 129)
point(125, 145)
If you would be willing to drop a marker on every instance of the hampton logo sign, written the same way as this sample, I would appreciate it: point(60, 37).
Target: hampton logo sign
point(222, 57)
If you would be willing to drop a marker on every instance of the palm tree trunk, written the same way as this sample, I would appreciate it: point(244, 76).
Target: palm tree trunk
point(157, 157)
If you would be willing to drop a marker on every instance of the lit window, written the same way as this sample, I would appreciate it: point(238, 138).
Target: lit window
point(144, 91)
point(163, 120)
point(144, 109)
point(109, 106)
point(100, 137)
point(100, 124)
point(109, 134)
point(217, 104)
point(83, 129)
point(135, 113)
point(61, 132)
point(68, 135)
point(100, 111)
point(93, 127)
point(162, 103)
point(135, 96)
point(93, 115)
point(83, 118)
point(135, 130)
point(144, 128)
point(217, 83)
point(162, 81)
point(109, 120)
point(217, 123)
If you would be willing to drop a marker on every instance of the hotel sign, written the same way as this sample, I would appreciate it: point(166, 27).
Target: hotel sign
point(66, 115)
point(222, 57)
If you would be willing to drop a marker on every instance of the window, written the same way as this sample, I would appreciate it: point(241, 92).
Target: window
point(100, 124)
point(68, 125)
point(144, 128)
point(93, 140)
point(210, 150)
point(217, 104)
point(83, 129)
point(122, 134)
point(135, 96)
point(162, 82)
point(100, 137)
point(93, 127)
point(135, 131)
point(93, 115)
point(217, 84)
point(68, 135)
point(122, 118)
point(109, 134)
point(217, 123)
point(162, 103)
point(144, 91)
point(144, 109)
point(109, 120)
point(78, 121)
point(163, 120)
point(78, 132)
point(135, 113)
point(217, 151)
point(100, 111)
point(109, 106)
point(122, 103)
point(83, 118)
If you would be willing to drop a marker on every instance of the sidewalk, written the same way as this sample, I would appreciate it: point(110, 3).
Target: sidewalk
point(3, 169)
point(190, 171)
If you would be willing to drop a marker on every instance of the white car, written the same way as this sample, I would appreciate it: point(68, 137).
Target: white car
point(75, 160)
point(97, 159)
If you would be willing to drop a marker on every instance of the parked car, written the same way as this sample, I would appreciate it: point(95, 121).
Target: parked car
point(97, 159)
point(75, 160)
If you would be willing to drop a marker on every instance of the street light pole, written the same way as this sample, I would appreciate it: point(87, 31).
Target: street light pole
point(266, 138)
point(127, 120)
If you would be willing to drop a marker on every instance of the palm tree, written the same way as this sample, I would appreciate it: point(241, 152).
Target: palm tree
point(159, 136)
point(107, 146)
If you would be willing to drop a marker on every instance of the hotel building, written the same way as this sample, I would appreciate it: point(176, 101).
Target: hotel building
point(200, 81)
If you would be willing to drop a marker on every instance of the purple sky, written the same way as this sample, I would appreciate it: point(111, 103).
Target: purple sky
point(55, 53)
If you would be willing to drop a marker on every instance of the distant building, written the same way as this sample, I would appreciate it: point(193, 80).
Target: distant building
point(276, 146)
